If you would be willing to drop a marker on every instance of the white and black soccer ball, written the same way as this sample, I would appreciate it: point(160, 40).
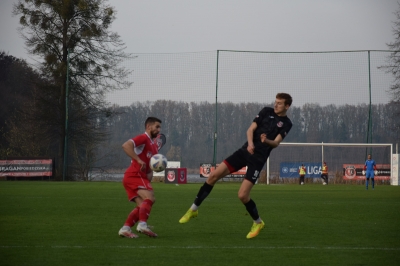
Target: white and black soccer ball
point(158, 162)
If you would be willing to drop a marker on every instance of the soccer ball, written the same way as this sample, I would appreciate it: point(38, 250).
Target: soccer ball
point(158, 163)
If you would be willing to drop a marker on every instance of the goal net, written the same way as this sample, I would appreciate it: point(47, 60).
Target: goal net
point(345, 162)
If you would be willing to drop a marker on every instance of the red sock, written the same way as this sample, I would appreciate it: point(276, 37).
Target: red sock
point(145, 209)
point(132, 217)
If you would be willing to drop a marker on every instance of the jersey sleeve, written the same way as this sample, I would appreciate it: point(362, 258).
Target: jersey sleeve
point(139, 140)
point(259, 118)
point(285, 129)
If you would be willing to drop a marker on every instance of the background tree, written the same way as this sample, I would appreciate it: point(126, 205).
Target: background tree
point(52, 29)
point(19, 96)
point(189, 130)
point(393, 67)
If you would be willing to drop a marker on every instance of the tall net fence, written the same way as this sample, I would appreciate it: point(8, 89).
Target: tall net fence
point(323, 78)
point(236, 76)
point(207, 100)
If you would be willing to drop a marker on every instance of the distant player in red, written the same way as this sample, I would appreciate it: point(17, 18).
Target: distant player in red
point(138, 176)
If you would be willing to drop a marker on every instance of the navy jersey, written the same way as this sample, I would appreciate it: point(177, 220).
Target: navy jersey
point(271, 124)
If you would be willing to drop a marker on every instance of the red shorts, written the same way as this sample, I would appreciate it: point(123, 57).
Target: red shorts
point(132, 183)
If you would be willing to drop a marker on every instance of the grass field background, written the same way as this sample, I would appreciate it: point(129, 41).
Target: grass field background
point(77, 223)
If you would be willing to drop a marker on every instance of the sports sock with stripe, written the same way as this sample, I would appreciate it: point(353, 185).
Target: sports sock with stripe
point(133, 217)
point(145, 209)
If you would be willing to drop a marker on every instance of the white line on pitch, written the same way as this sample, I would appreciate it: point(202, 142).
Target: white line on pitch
point(208, 247)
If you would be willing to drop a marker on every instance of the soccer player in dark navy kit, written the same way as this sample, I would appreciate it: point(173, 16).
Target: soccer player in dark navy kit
point(369, 168)
point(265, 133)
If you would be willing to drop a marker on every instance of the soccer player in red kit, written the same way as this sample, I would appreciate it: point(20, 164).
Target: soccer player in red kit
point(138, 176)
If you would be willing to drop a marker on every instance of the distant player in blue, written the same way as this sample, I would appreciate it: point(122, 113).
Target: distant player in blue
point(369, 168)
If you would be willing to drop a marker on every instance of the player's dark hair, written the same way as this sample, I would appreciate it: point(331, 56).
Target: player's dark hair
point(151, 120)
point(288, 99)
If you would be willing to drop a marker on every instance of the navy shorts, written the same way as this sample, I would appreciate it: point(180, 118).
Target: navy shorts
point(242, 158)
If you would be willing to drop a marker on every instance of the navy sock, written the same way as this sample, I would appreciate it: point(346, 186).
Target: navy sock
point(252, 209)
point(366, 183)
point(203, 193)
point(373, 183)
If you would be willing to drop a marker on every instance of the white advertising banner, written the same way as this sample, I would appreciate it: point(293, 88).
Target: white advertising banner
point(170, 164)
point(395, 170)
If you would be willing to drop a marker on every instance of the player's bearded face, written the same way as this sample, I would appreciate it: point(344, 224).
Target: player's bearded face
point(155, 130)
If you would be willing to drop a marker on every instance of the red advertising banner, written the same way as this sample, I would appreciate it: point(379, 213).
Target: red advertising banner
point(26, 167)
point(207, 168)
point(356, 172)
point(175, 176)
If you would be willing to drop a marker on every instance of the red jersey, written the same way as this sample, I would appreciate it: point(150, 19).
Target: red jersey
point(145, 147)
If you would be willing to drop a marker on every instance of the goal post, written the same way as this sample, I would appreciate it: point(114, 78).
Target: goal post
point(335, 154)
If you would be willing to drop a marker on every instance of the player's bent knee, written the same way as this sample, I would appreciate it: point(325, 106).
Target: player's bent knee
point(211, 180)
point(244, 198)
point(147, 195)
point(152, 198)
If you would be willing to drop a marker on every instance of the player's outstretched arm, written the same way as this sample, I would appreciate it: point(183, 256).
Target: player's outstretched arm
point(273, 143)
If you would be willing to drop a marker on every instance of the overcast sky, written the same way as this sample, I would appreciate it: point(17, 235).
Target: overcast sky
point(285, 25)
point(175, 26)
point(181, 26)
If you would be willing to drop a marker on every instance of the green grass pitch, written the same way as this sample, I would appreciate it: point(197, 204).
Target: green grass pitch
point(77, 223)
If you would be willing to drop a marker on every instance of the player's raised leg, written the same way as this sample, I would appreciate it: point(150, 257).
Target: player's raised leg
point(221, 171)
point(191, 213)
